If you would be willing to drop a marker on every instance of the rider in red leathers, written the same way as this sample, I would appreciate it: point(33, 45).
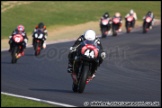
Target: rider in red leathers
point(117, 15)
point(19, 30)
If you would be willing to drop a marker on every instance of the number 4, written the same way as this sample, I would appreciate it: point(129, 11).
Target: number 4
point(89, 54)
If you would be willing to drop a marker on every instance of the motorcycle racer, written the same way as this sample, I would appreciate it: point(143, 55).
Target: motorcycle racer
point(117, 15)
point(150, 14)
point(106, 16)
point(19, 30)
point(132, 13)
point(42, 27)
point(88, 35)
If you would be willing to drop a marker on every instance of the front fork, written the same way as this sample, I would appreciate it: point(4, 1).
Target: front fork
point(74, 74)
point(77, 66)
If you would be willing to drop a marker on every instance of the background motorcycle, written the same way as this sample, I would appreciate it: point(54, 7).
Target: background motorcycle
point(129, 23)
point(17, 47)
point(146, 24)
point(38, 41)
point(115, 26)
point(86, 55)
point(105, 26)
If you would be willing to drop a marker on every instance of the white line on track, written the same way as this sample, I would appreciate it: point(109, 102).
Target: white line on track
point(39, 100)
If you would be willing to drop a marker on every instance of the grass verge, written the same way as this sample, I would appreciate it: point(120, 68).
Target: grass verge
point(8, 101)
point(67, 13)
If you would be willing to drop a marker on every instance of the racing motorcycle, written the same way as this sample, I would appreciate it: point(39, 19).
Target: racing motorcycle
point(115, 26)
point(38, 41)
point(129, 23)
point(105, 26)
point(146, 24)
point(17, 47)
point(86, 55)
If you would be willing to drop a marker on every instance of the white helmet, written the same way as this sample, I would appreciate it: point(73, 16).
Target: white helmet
point(117, 14)
point(90, 35)
point(131, 11)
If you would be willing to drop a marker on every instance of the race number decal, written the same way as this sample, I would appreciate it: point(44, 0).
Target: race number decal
point(89, 53)
point(18, 38)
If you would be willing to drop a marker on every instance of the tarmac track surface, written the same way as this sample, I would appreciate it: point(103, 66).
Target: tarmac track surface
point(131, 71)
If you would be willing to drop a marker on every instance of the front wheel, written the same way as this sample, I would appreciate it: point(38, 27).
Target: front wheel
point(75, 87)
point(83, 78)
point(13, 54)
point(128, 26)
point(114, 30)
point(37, 49)
point(128, 29)
point(145, 28)
point(104, 32)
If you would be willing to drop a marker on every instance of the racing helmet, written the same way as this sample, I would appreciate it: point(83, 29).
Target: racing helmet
point(41, 25)
point(149, 13)
point(117, 14)
point(106, 15)
point(20, 28)
point(90, 35)
point(131, 11)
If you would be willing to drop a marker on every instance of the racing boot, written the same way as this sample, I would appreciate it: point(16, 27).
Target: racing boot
point(22, 52)
point(90, 77)
point(150, 27)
